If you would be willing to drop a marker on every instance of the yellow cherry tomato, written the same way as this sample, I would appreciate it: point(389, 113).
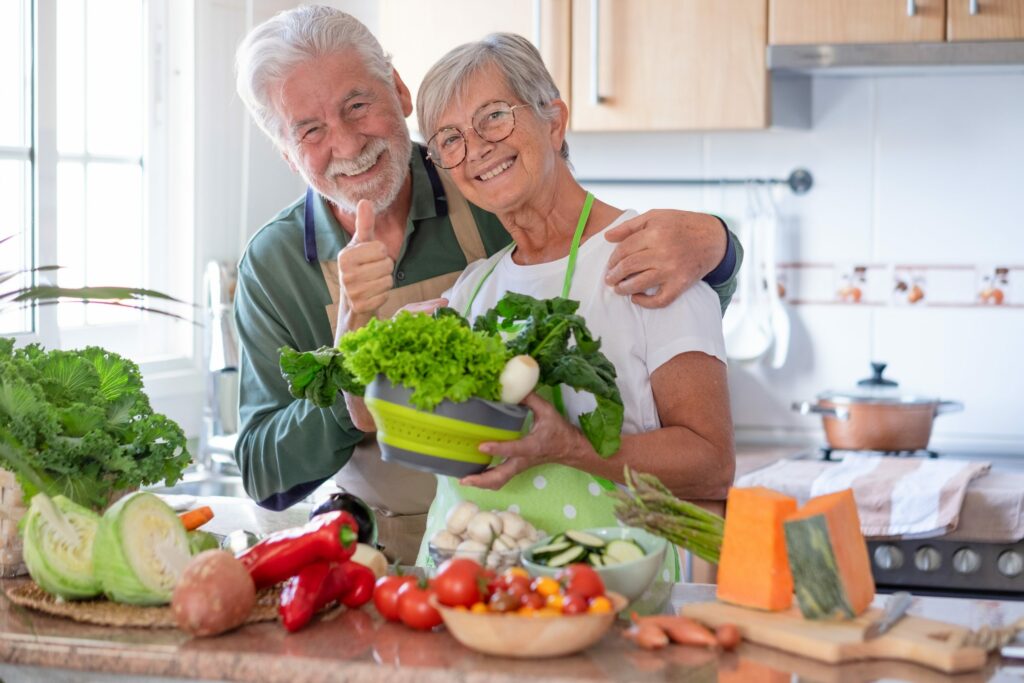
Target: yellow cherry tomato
point(526, 611)
point(549, 612)
point(546, 586)
point(479, 608)
point(600, 605)
point(556, 601)
point(517, 571)
point(461, 608)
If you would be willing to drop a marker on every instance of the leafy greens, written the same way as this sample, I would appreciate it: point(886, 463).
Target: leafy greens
point(439, 357)
point(78, 424)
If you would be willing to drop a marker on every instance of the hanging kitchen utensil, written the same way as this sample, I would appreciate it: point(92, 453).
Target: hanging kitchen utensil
point(877, 416)
point(746, 325)
point(777, 312)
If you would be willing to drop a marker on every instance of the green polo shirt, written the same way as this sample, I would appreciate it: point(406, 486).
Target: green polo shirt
point(287, 447)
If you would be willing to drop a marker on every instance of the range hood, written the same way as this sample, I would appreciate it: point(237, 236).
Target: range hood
point(895, 58)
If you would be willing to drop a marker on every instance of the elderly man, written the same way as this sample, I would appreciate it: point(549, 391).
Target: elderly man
point(319, 84)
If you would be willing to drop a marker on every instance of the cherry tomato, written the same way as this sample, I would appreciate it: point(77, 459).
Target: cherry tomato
point(385, 595)
point(582, 580)
point(533, 600)
point(575, 603)
point(503, 601)
point(414, 607)
point(459, 582)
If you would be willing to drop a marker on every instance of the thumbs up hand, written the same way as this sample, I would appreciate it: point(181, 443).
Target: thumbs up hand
point(365, 271)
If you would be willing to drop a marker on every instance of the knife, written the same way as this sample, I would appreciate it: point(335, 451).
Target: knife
point(895, 607)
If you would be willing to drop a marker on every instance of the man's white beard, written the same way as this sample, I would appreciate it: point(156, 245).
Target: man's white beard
point(381, 190)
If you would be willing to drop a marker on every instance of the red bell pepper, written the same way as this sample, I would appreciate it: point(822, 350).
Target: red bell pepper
point(360, 582)
point(300, 596)
point(330, 537)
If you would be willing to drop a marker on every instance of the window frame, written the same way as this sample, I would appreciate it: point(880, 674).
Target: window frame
point(172, 375)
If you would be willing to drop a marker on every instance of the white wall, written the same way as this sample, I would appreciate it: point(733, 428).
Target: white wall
point(908, 170)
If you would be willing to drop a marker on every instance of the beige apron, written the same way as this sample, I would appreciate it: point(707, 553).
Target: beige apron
point(399, 495)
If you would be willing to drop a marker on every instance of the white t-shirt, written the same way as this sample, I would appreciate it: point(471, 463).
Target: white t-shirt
point(636, 340)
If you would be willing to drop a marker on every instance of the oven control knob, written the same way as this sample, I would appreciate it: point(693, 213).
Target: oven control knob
point(966, 561)
point(927, 559)
point(888, 557)
point(1010, 563)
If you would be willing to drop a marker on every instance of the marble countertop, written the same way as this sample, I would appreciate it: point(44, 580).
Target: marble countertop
point(358, 645)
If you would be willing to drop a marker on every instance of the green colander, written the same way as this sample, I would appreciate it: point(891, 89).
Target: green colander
point(445, 441)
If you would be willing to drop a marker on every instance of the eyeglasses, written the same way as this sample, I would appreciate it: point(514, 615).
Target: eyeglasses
point(493, 122)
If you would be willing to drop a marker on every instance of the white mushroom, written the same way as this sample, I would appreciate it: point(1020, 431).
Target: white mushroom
point(525, 543)
point(445, 540)
point(459, 516)
point(484, 527)
point(471, 549)
point(504, 544)
point(512, 524)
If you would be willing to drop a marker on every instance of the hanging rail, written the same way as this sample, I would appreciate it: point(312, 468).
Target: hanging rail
point(799, 181)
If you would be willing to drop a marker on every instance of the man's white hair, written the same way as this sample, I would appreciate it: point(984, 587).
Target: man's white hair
point(274, 48)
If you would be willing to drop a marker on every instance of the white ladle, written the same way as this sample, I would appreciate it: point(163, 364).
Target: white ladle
point(746, 326)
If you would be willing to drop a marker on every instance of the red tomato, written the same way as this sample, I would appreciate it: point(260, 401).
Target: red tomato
point(582, 580)
point(414, 607)
point(574, 603)
point(534, 600)
point(385, 595)
point(459, 582)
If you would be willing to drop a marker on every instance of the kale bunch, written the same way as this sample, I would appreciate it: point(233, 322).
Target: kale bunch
point(78, 424)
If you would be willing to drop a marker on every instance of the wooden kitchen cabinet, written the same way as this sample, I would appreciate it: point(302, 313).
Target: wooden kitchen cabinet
point(419, 33)
point(799, 22)
point(990, 20)
point(661, 64)
point(669, 65)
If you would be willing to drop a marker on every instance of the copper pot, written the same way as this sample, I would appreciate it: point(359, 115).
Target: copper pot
point(876, 416)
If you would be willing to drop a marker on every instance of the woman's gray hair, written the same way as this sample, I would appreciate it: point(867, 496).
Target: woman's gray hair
point(515, 58)
point(274, 48)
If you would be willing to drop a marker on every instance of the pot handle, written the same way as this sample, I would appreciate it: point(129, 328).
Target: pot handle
point(948, 407)
point(808, 408)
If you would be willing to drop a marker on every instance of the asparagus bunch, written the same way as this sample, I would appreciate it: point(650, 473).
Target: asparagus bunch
point(649, 505)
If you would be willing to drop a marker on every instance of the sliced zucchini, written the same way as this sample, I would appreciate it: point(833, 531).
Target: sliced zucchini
point(623, 551)
point(573, 554)
point(550, 549)
point(586, 540)
point(596, 560)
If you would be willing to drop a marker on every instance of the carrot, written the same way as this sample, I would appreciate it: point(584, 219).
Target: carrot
point(728, 636)
point(680, 629)
point(193, 519)
point(647, 636)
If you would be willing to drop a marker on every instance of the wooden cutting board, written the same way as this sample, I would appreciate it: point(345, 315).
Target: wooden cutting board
point(912, 639)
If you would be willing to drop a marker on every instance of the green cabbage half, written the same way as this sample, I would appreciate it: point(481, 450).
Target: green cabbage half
point(140, 551)
point(58, 547)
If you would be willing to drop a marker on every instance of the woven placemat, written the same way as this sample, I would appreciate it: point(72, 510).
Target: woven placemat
point(106, 613)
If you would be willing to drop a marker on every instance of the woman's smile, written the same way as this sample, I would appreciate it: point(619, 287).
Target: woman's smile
point(497, 169)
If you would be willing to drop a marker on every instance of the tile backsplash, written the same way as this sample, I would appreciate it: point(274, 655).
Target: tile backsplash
point(909, 248)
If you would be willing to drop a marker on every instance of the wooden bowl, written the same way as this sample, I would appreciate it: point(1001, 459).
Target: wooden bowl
point(514, 635)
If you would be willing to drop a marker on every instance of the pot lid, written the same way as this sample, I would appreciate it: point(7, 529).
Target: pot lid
point(875, 389)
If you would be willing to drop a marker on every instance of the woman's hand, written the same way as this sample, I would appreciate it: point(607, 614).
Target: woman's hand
point(663, 250)
point(551, 439)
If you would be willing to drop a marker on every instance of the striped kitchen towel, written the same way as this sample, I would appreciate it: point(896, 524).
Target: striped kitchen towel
point(909, 497)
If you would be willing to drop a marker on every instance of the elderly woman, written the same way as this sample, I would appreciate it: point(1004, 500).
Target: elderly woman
point(496, 125)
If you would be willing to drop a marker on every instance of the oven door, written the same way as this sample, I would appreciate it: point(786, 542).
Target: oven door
point(932, 566)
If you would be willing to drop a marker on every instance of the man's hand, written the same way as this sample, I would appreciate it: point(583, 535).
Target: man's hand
point(664, 250)
point(364, 270)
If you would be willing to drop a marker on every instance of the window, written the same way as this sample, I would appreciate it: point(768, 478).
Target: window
point(87, 162)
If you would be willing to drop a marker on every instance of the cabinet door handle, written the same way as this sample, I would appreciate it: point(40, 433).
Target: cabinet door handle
point(972, 7)
point(536, 22)
point(595, 52)
point(911, 8)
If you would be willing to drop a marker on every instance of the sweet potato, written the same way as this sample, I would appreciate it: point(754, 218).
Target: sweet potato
point(680, 629)
point(214, 594)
